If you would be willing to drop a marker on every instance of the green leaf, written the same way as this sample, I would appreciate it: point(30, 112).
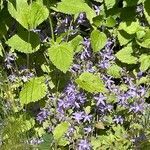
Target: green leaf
point(25, 122)
point(130, 27)
point(123, 37)
point(87, 109)
point(28, 124)
point(29, 16)
point(98, 20)
point(125, 55)
point(60, 130)
point(46, 145)
point(111, 98)
point(143, 39)
point(145, 62)
point(90, 83)
point(143, 80)
point(26, 42)
point(77, 43)
point(75, 7)
point(96, 143)
point(109, 3)
point(110, 22)
point(63, 142)
point(147, 10)
point(33, 90)
point(61, 56)
point(40, 131)
point(145, 43)
point(114, 71)
point(140, 34)
point(98, 40)
point(1, 50)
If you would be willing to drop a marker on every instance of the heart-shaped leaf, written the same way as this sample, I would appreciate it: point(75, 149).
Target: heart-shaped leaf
point(90, 83)
point(29, 16)
point(61, 56)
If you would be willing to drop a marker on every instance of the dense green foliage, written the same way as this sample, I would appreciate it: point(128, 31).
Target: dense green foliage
point(75, 74)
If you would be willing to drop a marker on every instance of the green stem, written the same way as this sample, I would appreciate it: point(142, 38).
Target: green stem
point(69, 30)
point(51, 28)
point(51, 25)
point(28, 58)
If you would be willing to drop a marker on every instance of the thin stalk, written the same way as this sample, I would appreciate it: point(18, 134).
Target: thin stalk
point(28, 57)
point(51, 28)
point(69, 30)
point(51, 25)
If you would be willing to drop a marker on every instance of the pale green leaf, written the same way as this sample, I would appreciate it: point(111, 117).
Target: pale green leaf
point(96, 143)
point(124, 37)
point(145, 43)
point(45, 68)
point(109, 3)
point(61, 56)
point(63, 142)
point(130, 27)
point(24, 122)
point(98, 20)
point(114, 71)
point(60, 130)
point(143, 39)
point(110, 22)
point(77, 43)
point(145, 62)
point(98, 40)
point(143, 80)
point(111, 98)
point(26, 42)
point(33, 90)
point(1, 50)
point(29, 16)
point(90, 83)
point(87, 109)
point(28, 124)
point(140, 34)
point(125, 55)
point(75, 7)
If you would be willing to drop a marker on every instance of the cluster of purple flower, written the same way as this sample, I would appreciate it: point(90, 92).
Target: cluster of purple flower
point(107, 54)
point(71, 103)
point(88, 117)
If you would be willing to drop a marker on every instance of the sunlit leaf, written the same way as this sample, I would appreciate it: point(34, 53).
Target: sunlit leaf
point(29, 16)
point(26, 42)
point(61, 56)
point(90, 83)
point(125, 55)
point(60, 130)
point(33, 90)
point(98, 40)
point(75, 7)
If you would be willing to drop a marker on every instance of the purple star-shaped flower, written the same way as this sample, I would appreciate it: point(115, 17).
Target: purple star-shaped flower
point(78, 116)
point(83, 145)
